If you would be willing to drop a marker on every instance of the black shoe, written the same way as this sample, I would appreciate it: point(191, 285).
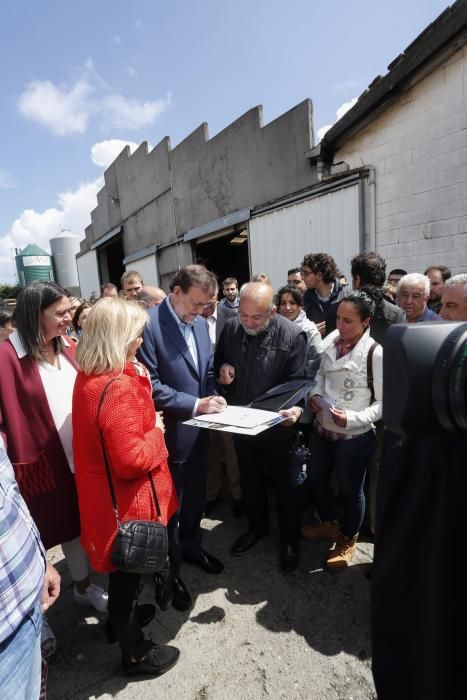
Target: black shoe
point(209, 507)
point(245, 542)
point(238, 508)
point(181, 595)
point(156, 661)
point(290, 558)
point(163, 589)
point(207, 563)
point(145, 614)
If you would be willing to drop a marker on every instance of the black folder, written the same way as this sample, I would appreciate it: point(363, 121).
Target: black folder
point(283, 395)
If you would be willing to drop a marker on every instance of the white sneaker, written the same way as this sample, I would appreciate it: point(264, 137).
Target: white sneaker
point(48, 639)
point(94, 596)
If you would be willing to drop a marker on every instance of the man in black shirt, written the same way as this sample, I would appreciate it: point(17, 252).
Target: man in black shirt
point(259, 350)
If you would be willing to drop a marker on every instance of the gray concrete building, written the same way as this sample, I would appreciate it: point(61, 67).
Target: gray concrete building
point(390, 175)
point(168, 207)
point(410, 127)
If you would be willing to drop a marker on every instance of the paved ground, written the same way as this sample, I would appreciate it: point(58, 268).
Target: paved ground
point(253, 633)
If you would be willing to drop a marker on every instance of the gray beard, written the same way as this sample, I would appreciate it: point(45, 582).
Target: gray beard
point(256, 331)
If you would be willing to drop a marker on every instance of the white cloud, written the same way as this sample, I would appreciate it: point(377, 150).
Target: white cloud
point(7, 181)
point(72, 212)
point(121, 113)
point(345, 107)
point(339, 114)
point(68, 110)
point(105, 152)
point(60, 110)
point(322, 131)
point(346, 85)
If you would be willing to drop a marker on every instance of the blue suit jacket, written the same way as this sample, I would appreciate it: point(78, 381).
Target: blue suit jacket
point(176, 383)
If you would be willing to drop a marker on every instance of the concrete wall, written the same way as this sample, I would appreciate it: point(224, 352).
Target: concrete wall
point(157, 196)
point(244, 165)
point(419, 149)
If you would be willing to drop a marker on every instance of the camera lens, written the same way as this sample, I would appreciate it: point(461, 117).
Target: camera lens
point(449, 381)
point(425, 378)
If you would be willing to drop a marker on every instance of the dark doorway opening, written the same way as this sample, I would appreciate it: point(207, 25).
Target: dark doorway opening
point(111, 266)
point(226, 256)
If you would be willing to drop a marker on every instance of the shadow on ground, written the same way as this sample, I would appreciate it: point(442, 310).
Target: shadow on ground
point(330, 612)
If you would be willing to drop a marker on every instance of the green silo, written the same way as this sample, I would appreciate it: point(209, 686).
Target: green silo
point(33, 263)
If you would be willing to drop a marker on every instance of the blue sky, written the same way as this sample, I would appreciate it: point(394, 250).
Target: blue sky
point(78, 78)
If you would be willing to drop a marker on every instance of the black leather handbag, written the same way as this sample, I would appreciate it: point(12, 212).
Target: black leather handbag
point(141, 546)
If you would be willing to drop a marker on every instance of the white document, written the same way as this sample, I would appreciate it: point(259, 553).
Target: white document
point(237, 419)
point(327, 420)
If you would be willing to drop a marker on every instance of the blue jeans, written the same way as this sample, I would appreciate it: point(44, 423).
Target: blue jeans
point(20, 660)
point(350, 459)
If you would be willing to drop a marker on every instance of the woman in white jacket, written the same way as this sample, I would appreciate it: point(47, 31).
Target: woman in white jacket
point(347, 403)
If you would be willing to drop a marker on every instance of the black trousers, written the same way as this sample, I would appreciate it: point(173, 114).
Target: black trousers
point(124, 589)
point(419, 605)
point(190, 480)
point(269, 450)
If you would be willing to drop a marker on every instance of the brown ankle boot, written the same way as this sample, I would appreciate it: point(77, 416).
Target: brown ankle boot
point(341, 556)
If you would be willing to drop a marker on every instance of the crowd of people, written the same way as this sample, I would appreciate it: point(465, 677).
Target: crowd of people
point(115, 379)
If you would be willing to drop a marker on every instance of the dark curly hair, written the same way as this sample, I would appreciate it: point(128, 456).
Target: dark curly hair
point(370, 267)
point(321, 262)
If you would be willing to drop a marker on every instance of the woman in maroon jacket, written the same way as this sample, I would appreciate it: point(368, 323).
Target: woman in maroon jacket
point(133, 435)
point(37, 376)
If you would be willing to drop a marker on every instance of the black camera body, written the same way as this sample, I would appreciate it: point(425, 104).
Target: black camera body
point(425, 378)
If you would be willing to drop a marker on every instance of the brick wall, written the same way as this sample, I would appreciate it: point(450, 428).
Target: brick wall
point(419, 149)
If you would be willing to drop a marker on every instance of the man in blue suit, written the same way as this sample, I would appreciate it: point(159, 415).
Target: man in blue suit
point(178, 353)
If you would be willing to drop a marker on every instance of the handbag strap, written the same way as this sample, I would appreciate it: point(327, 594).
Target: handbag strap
point(369, 370)
point(107, 468)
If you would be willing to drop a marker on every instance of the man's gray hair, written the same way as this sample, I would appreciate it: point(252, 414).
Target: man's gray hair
point(414, 279)
point(458, 280)
point(259, 288)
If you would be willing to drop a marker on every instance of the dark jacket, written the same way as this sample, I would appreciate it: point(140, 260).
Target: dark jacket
point(318, 311)
point(261, 361)
point(224, 312)
point(176, 382)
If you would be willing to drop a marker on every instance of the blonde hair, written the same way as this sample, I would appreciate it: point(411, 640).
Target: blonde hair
point(112, 325)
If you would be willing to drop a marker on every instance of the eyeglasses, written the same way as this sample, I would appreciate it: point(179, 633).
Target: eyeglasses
point(198, 305)
point(305, 272)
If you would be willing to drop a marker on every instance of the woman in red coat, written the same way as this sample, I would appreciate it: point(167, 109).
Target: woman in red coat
point(134, 442)
point(37, 375)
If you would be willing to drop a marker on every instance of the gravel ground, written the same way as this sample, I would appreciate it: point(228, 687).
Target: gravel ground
point(252, 633)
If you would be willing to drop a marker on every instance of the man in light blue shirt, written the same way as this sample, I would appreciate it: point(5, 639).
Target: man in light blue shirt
point(178, 353)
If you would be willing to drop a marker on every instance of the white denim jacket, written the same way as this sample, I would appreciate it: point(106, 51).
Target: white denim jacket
point(344, 384)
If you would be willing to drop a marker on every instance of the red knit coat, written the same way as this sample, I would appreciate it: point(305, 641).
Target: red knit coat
point(134, 447)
